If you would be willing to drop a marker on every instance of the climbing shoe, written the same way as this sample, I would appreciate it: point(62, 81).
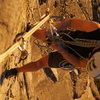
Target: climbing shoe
point(10, 73)
point(7, 74)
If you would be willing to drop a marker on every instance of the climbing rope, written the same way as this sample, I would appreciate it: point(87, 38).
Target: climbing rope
point(83, 42)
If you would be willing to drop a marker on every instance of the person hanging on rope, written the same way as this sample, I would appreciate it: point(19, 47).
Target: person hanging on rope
point(67, 54)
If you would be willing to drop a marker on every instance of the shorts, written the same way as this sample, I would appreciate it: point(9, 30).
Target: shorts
point(56, 60)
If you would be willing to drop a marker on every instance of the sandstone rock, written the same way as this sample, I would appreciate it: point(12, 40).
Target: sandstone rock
point(14, 17)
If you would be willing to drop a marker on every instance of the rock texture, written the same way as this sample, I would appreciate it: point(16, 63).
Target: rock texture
point(15, 17)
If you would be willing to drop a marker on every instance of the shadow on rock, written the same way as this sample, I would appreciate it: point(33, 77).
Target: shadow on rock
point(50, 74)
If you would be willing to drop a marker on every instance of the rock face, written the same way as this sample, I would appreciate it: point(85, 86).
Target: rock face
point(15, 17)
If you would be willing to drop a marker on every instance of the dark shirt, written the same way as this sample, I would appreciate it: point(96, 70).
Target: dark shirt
point(83, 51)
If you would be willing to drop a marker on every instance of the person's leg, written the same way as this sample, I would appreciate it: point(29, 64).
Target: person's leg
point(30, 67)
point(34, 66)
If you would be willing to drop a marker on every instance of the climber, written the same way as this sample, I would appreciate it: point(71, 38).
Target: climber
point(67, 54)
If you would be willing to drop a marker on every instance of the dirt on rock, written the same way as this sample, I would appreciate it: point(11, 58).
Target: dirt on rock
point(16, 16)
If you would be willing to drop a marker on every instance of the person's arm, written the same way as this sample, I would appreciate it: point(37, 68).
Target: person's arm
point(78, 24)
